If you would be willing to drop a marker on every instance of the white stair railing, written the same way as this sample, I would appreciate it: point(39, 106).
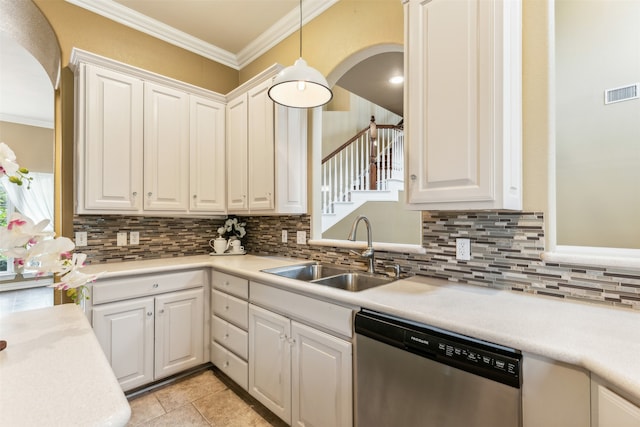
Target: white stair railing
point(349, 168)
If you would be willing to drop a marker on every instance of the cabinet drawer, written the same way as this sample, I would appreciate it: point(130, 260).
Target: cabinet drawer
point(234, 367)
point(230, 336)
point(330, 316)
point(109, 290)
point(230, 284)
point(230, 308)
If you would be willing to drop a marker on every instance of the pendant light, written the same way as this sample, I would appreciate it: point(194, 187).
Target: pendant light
point(300, 86)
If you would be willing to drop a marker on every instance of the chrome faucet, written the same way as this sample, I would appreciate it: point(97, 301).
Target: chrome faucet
point(368, 253)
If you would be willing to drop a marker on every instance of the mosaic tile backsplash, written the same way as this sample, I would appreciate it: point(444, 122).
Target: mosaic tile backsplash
point(505, 251)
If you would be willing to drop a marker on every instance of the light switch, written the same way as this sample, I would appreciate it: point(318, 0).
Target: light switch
point(284, 236)
point(134, 238)
point(81, 238)
point(121, 239)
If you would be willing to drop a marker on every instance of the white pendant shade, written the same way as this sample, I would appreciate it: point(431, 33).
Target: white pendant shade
point(300, 86)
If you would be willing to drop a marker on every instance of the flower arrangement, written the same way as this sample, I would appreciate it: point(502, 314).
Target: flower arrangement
point(233, 228)
point(35, 249)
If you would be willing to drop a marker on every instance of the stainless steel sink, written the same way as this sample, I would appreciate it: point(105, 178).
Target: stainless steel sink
point(331, 275)
point(307, 272)
point(354, 282)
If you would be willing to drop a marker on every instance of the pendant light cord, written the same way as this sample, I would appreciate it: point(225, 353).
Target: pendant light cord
point(300, 28)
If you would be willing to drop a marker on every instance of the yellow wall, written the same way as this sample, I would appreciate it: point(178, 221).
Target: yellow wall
point(345, 28)
point(32, 145)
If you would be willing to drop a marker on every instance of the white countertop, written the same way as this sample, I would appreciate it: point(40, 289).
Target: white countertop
point(602, 339)
point(54, 373)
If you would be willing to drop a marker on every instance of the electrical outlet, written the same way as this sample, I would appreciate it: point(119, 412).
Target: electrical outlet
point(121, 239)
point(463, 249)
point(301, 237)
point(134, 238)
point(81, 238)
point(284, 236)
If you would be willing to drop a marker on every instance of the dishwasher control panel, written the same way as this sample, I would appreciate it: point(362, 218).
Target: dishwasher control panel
point(499, 363)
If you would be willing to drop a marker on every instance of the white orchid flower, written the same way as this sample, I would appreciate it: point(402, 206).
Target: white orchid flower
point(8, 163)
point(19, 233)
point(73, 278)
point(51, 255)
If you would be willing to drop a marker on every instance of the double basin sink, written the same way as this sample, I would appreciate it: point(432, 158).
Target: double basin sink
point(332, 276)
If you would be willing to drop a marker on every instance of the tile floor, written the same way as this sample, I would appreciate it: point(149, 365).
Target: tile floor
point(25, 299)
point(205, 399)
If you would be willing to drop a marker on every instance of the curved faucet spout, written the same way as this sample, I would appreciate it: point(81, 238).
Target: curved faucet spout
point(369, 252)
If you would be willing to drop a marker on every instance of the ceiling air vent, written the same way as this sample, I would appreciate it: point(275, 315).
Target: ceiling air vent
point(624, 93)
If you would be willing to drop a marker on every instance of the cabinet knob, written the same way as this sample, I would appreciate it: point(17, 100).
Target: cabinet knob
point(226, 307)
point(149, 193)
point(195, 196)
point(226, 336)
point(413, 177)
point(162, 311)
point(135, 193)
point(226, 283)
point(155, 286)
point(149, 313)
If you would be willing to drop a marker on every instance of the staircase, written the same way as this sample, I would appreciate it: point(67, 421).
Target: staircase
point(362, 169)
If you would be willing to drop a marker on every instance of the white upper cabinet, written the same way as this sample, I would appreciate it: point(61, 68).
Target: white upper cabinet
point(207, 151)
point(166, 149)
point(266, 151)
point(146, 144)
point(109, 131)
point(463, 104)
point(261, 140)
point(237, 186)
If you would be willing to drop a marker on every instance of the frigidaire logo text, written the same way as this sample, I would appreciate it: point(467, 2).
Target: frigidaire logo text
point(420, 340)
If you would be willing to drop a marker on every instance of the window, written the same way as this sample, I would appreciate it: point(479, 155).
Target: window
point(6, 209)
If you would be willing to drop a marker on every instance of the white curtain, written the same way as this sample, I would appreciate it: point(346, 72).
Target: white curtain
point(35, 203)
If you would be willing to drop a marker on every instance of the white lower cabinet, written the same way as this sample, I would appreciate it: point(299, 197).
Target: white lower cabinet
point(125, 332)
point(554, 394)
point(609, 409)
point(229, 323)
point(300, 373)
point(151, 337)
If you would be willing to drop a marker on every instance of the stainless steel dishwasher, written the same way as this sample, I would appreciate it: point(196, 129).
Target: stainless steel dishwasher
point(410, 374)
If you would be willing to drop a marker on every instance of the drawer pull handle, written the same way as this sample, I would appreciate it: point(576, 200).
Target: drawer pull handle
point(226, 364)
point(155, 286)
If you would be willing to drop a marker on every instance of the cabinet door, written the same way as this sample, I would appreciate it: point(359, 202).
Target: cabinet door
point(125, 331)
point(180, 339)
point(291, 160)
point(321, 379)
point(166, 149)
point(261, 149)
point(110, 141)
point(207, 141)
point(609, 409)
point(463, 104)
point(270, 361)
point(237, 154)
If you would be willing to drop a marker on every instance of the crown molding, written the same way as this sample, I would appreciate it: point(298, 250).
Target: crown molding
point(282, 29)
point(28, 121)
point(274, 35)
